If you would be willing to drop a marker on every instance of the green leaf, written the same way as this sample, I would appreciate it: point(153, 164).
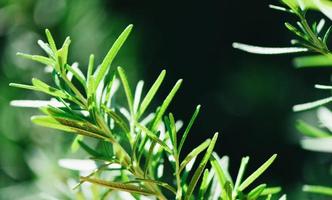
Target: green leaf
point(37, 58)
point(317, 144)
point(313, 61)
point(310, 105)
point(201, 167)
point(117, 119)
point(257, 173)
point(63, 52)
point(279, 8)
point(204, 185)
point(90, 66)
point(190, 124)
point(36, 103)
point(154, 138)
point(256, 192)
point(271, 190)
point(165, 104)
point(228, 191)
point(294, 30)
point(268, 50)
point(43, 87)
point(126, 87)
point(78, 74)
point(89, 150)
point(194, 153)
point(243, 165)
point(50, 40)
point(283, 197)
point(75, 144)
point(323, 87)
point(317, 189)
point(68, 125)
point(120, 186)
point(151, 93)
point(173, 132)
point(327, 35)
point(147, 165)
point(46, 48)
point(220, 172)
point(105, 65)
point(310, 131)
point(137, 97)
point(160, 183)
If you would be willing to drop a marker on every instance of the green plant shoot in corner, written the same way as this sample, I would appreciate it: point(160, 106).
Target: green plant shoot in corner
point(311, 38)
point(133, 153)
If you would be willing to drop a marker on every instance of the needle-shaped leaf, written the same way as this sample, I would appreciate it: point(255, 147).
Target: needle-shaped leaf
point(257, 173)
point(204, 185)
point(127, 89)
point(78, 74)
point(117, 119)
point(147, 165)
point(271, 190)
point(41, 59)
point(221, 175)
point(151, 93)
point(46, 48)
point(310, 105)
point(190, 124)
point(318, 189)
point(256, 192)
point(137, 97)
point(317, 144)
point(105, 65)
point(173, 133)
point(310, 131)
point(160, 183)
point(165, 104)
point(327, 35)
point(243, 165)
point(36, 103)
point(89, 150)
point(120, 186)
point(50, 40)
point(90, 66)
point(63, 52)
point(279, 8)
point(313, 61)
point(43, 87)
point(268, 50)
point(323, 87)
point(194, 153)
point(200, 168)
point(294, 30)
point(283, 197)
point(153, 137)
point(68, 125)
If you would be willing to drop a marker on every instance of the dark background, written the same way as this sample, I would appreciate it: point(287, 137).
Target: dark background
point(247, 98)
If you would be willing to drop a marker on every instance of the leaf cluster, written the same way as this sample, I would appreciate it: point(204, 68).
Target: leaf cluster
point(136, 145)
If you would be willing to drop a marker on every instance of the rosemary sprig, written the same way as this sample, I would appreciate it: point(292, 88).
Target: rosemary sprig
point(126, 135)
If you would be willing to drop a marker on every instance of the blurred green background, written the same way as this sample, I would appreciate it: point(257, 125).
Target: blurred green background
point(248, 98)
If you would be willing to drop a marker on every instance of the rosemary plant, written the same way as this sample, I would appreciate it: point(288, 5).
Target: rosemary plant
point(311, 38)
point(132, 150)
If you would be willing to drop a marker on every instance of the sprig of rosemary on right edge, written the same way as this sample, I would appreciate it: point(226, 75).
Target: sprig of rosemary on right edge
point(309, 39)
point(136, 146)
